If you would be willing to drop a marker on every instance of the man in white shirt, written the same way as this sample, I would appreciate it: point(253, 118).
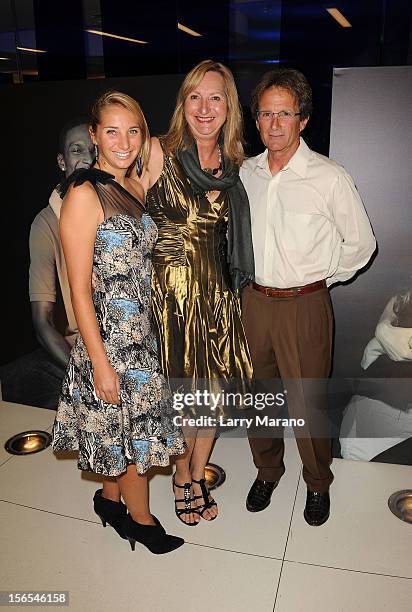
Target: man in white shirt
point(310, 230)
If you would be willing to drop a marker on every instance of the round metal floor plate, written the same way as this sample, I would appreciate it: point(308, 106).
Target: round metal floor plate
point(28, 442)
point(214, 476)
point(400, 503)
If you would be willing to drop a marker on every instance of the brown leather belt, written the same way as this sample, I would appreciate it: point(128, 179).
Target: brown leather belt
point(290, 292)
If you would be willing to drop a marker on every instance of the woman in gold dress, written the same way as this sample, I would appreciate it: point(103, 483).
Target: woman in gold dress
point(203, 257)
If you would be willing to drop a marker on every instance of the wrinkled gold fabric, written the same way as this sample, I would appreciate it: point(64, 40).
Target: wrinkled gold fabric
point(197, 315)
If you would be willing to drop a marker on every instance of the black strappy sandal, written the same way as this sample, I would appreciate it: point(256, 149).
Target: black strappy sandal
point(187, 500)
point(208, 501)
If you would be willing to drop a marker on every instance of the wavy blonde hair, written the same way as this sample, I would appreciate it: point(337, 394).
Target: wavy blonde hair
point(124, 100)
point(179, 136)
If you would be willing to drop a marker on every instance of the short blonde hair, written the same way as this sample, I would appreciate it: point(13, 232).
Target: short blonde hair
point(121, 99)
point(179, 136)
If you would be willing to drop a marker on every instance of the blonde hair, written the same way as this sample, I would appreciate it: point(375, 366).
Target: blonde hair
point(179, 136)
point(121, 99)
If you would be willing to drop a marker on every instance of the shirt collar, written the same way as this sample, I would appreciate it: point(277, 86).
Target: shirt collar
point(55, 202)
point(298, 163)
point(261, 161)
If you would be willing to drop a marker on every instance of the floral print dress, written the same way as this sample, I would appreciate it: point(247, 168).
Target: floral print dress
point(140, 429)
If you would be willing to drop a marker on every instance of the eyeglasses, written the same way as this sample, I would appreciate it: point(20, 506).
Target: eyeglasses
point(281, 115)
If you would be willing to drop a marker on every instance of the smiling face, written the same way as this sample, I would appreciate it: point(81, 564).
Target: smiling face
point(205, 107)
point(78, 150)
point(118, 137)
point(280, 136)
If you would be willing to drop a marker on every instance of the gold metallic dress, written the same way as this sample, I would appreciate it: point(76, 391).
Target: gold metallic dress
point(197, 315)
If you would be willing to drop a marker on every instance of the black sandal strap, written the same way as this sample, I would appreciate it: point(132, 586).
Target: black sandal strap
point(187, 500)
point(208, 500)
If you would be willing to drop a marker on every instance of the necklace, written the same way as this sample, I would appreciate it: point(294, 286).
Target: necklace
point(214, 171)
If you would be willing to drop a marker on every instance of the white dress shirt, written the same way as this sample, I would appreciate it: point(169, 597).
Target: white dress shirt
point(308, 221)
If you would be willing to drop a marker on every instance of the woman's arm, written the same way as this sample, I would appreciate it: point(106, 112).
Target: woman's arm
point(155, 164)
point(80, 215)
point(154, 167)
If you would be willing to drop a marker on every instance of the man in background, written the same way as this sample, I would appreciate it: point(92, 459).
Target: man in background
point(35, 379)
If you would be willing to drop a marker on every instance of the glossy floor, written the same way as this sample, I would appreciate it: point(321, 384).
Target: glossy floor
point(360, 560)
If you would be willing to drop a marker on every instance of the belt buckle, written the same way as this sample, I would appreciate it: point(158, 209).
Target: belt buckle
point(267, 291)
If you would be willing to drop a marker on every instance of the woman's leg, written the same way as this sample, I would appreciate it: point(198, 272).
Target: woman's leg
point(135, 492)
point(111, 489)
point(107, 505)
point(183, 475)
point(200, 457)
point(139, 525)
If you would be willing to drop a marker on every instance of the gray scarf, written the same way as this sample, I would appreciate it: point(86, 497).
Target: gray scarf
point(239, 235)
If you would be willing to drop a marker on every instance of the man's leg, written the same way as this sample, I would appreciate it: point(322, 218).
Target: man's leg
point(303, 350)
point(267, 451)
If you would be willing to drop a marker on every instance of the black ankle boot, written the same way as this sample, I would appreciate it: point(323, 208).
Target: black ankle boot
point(154, 537)
point(110, 512)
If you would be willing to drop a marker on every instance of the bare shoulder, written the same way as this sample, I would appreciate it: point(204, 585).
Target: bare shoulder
point(156, 159)
point(80, 203)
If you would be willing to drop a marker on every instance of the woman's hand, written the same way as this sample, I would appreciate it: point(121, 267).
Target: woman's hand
point(106, 383)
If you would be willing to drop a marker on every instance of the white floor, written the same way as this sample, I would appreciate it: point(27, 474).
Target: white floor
point(360, 560)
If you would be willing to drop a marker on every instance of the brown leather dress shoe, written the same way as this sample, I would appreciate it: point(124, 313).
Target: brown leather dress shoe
point(259, 495)
point(317, 508)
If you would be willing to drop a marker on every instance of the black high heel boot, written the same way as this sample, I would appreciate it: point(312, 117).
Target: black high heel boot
point(110, 512)
point(154, 537)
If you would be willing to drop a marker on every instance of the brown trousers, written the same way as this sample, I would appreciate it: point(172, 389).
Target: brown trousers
point(291, 339)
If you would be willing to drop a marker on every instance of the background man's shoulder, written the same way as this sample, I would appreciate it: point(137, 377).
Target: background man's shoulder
point(45, 220)
point(44, 228)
